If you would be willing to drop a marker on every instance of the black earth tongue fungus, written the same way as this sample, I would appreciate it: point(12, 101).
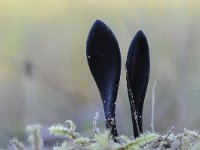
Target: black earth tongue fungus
point(137, 75)
point(104, 60)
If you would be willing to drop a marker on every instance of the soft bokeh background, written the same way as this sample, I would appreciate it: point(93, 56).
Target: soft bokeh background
point(44, 77)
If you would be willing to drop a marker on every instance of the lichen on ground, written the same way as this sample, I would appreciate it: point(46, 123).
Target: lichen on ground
point(103, 141)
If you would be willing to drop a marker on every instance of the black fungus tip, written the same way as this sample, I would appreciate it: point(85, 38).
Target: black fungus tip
point(140, 32)
point(98, 22)
point(99, 25)
point(140, 36)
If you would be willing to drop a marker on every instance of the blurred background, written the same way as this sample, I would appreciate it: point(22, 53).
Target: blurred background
point(44, 77)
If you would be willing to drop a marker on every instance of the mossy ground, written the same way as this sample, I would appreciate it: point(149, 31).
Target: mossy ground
point(103, 141)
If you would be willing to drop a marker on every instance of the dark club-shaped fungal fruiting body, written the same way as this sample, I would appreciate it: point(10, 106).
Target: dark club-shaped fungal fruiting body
point(104, 61)
point(137, 75)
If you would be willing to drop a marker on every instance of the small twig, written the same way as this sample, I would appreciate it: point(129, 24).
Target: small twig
point(153, 106)
point(171, 130)
point(17, 144)
point(95, 128)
